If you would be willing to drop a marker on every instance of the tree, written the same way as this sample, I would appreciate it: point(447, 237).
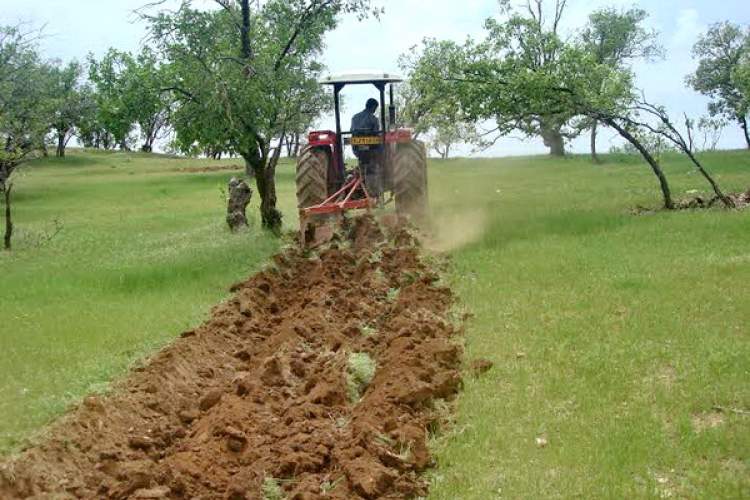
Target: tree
point(530, 43)
point(524, 46)
point(129, 92)
point(615, 38)
point(109, 76)
point(720, 52)
point(741, 76)
point(23, 121)
point(91, 131)
point(425, 107)
point(66, 101)
point(243, 75)
point(144, 79)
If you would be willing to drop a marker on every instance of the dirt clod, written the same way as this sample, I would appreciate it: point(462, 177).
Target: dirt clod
point(481, 366)
point(257, 396)
point(209, 400)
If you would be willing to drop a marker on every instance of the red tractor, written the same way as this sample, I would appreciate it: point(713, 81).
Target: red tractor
point(389, 161)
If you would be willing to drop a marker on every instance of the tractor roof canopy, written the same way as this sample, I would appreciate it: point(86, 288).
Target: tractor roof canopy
point(361, 76)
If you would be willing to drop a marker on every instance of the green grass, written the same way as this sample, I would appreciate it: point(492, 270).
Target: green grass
point(614, 336)
point(142, 254)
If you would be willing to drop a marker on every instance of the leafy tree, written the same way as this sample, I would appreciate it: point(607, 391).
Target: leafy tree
point(91, 132)
point(23, 118)
point(523, 53)
point(741, 76)
point(109, 76)
point(529, 42)
point(129, 92)
point(243, 75)
point(66, 101)
point(615, 38)
point(426, 107)
point(145, 79)
point(720, 52)
point(446, 135)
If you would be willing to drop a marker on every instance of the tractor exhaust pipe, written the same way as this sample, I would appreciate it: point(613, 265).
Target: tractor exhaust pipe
point(392, 112)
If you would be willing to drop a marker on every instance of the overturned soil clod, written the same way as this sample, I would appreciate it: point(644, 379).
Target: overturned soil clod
point(256, 398)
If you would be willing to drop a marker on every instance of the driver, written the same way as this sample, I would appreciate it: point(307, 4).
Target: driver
point(365, 122)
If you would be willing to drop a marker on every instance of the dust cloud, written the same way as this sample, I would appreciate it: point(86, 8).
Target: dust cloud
point(453, 231)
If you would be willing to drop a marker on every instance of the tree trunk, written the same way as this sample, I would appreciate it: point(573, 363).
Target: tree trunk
point(295, 151)
point(60, 153)
point(594, 156)
point(289, 147)
point(553, 139)
point(663, 184)
point(743, 124)
point(238, 198)
point(717, 191)
point(7, 188)
point(265, 181)
point(264, 171)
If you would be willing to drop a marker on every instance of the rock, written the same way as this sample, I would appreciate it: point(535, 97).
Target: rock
point(133, 476)
point(326, 394)
point(187, 416)
point(140, 442)
point(94, 403)
point(158, 492)
point(209, 400)
point(236, 439)
point(273, 372)
point(244, 384)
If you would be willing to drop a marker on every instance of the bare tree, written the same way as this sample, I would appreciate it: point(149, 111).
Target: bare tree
point(667, 129)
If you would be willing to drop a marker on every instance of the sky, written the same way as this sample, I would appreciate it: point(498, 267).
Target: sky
point(73, 28)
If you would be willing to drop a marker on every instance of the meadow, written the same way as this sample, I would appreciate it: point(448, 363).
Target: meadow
point(620, 342)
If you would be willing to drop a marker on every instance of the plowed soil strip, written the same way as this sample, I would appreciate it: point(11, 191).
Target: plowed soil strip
point(257, 398)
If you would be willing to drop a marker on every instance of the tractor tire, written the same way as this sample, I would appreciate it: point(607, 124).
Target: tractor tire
point(410, 179)
point(312, 177)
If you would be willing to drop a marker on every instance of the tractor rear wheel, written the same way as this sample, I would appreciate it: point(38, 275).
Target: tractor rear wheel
point(410, 179)
point(312, 177)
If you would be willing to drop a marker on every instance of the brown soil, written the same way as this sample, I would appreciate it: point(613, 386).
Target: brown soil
point(258, 393)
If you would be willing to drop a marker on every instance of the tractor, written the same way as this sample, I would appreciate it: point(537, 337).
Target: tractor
point(391, 166)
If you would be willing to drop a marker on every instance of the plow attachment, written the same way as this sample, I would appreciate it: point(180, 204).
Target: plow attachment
point(318, 223)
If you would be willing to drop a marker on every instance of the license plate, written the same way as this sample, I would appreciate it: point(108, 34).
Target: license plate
point(369, 140)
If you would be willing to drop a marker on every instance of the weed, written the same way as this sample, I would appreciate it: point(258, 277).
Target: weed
point(409, 277)
point(375, 257)
point(360, 371)
point(380, 277)
point(392, 295)
point(328, 486)
point(368, 330)
point(271, 489)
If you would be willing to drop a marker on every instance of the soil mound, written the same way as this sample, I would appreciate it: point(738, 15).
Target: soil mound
point(257, 402)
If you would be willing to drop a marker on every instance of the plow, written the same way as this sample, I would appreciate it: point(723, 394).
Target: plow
point(391, 165)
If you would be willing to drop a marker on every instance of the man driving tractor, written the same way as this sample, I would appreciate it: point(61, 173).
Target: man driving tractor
point(366, 123)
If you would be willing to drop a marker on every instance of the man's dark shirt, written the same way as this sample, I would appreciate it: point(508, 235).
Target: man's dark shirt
point(365, 121)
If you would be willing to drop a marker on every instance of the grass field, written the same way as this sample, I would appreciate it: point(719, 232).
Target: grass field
point(615, 337)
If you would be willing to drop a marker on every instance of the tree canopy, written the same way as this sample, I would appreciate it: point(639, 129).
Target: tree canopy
point(720, 53)
point(245, 76)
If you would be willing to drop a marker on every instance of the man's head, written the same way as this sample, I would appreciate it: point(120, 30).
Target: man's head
point(372, 105)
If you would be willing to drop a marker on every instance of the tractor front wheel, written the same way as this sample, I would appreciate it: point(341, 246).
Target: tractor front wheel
point(410, 179)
